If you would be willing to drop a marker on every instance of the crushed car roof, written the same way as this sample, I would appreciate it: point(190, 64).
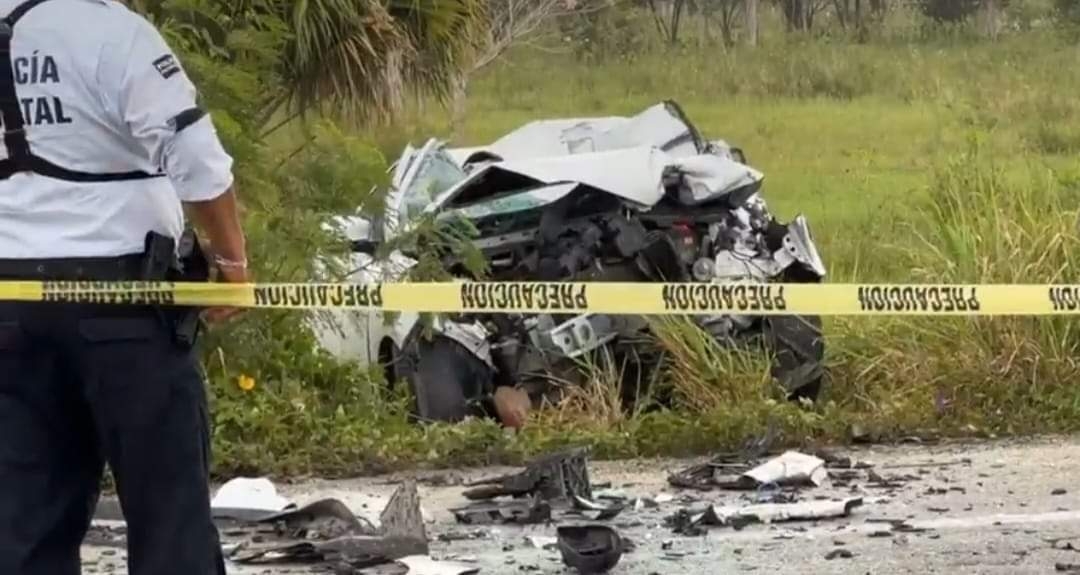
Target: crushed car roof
point(662, 126)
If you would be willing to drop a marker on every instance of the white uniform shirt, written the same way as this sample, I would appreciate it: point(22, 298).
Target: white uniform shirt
point(98, 87)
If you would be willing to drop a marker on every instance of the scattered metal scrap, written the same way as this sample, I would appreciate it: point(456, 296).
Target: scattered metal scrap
point(692, 522)
point(520, 512)
point(326, 531)
point(424, 565)
point(790, 469)
point(554, 480)
point(557, 478)
point(603, 512)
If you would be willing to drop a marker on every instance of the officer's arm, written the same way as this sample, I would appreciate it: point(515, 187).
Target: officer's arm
point(158, 103)
point(220, 221)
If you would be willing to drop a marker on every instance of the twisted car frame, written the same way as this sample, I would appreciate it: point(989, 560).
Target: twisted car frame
point(641, 199)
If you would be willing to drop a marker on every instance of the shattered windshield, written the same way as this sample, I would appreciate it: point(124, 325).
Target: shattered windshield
point(436, 174)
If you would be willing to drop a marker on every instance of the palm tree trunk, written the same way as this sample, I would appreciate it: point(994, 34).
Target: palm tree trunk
point(990, 19)
point(458, 105)
point(752, 22)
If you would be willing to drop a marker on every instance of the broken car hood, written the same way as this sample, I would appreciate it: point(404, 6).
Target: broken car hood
point(634, 174)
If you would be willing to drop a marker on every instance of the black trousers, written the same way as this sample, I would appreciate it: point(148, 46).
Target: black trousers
point(84, 385)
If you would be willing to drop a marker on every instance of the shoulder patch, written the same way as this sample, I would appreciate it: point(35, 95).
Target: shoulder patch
point(167, 66)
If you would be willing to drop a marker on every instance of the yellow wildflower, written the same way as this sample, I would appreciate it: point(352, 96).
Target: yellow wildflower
point(245, 382)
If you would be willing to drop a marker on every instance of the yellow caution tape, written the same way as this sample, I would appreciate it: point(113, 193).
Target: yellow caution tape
point(573, 297)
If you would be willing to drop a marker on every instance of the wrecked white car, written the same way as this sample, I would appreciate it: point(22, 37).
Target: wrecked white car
point(642, 198)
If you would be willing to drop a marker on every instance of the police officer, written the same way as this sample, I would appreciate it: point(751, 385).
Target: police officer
point(103, 143)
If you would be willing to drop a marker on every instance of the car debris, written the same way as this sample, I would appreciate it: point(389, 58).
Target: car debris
point(323, 519)
point(590, 548)
point(248, 493)
point(556, 478)
point(542, 542)
point(519, 512)
point(645, 198)
point(424, 565)
point(691, 522)
point(790, 469)
point(604, 512)
point(320, 533)
point(839, 554)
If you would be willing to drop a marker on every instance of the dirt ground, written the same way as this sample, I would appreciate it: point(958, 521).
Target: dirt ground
point(1002, 507)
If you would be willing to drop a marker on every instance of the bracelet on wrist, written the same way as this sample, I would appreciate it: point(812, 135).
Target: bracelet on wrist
point(227, 263)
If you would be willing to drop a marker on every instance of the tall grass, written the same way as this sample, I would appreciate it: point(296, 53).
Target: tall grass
point(979, 225)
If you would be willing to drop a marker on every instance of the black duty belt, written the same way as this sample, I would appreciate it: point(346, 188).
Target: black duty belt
point(19, 156)
point(122, 268)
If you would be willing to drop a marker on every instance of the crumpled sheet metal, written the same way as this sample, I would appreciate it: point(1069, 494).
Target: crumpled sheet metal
point(327, 531)
point(555, 478)
point(323, 519)
point(790, 469)
point(658, 126)
point(739, 516)
point(519, 512)
point(706, 176)
point(603, 512)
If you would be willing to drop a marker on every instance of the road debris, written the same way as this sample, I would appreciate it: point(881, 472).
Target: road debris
point(1061, 545)
point(520, 512)
point(424, 565)
point(559, 480)
point(542, 542)
point(1058, 491)
point(790, 469)
point(929, 464)
point(604, 512)
point(590, 548)
point(323, 519)
point(257, 494)
point(839, 554)
point(556, 478)
point(686, 522)
point(326, 531)
point(1067, 567)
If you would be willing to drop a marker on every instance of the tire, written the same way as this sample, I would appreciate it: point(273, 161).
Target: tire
point(446, 381)
point(798, 348)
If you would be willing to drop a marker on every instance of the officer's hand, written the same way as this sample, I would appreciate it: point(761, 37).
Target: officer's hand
point(512, 405)
point(227, 274)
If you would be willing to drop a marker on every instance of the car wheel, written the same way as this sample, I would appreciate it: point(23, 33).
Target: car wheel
point(446, 381)
point(798, 348)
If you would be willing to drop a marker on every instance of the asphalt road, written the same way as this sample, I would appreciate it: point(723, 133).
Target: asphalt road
point(1004, 507)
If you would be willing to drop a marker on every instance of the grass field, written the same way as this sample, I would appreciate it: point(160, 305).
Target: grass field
point(934, 161)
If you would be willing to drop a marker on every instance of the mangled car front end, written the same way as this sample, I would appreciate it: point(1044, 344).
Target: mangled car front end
point(638, 199)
